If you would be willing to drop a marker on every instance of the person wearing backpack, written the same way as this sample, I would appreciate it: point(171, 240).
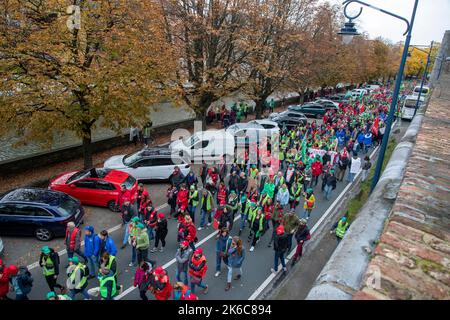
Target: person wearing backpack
point(21, 280)
point(49, 262)
point(142, 279)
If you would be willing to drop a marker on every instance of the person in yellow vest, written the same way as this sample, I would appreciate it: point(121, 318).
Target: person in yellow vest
point(77, 278)
point(49, 262)
point(108, 286)
point(309, 204)
point(53, 296)
point(340, 228)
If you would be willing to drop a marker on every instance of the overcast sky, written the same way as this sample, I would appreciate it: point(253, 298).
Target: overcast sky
point(432, 19)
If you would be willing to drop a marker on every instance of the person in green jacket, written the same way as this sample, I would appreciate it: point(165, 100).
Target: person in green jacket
point(206, 205)
point(108, 287)
point(295, 194)
point(269, 188)
point(142, 243)
point(193, 201)
point(256, 227)
point(53, 296)
point(291, 222)
point(250, 210)
point(340, 228)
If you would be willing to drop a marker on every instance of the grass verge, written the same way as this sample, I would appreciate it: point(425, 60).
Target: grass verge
point(360, 199)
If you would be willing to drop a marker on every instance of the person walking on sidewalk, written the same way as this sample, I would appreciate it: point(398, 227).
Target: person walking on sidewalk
point(280, 246)
point(340, 228)
point(301, 235)
point(91, 249)
point(365, 168)
point(73, 241)
point(236, 256)
point(77, 278)
point(223, 243)
point(49, 262)
point(197, 270)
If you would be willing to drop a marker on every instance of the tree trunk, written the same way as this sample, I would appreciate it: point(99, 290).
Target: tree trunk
point(87, 151)
point(201, 116)
point(259, 108)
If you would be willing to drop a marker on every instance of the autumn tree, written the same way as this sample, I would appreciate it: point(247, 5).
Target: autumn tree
point(75, 65)
point(208, 38)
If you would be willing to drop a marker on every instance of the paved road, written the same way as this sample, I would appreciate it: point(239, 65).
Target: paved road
point(256, 267)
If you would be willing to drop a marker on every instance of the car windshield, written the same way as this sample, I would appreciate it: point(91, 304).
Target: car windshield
point(132, 158)
point(424, 90)
point(129, 182)
point(77, 176)
point(68, 207)
point(190, 141)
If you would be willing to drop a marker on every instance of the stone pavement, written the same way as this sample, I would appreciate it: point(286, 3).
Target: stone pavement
point(413, 255)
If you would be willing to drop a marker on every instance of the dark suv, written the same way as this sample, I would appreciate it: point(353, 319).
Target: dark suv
point(312, 109)
point(289, 118)
point(38, 212)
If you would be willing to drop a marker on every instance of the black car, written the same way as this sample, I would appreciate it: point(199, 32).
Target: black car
point(340, 97)
point(289, 118)
point(38, 212)
point(312, 109)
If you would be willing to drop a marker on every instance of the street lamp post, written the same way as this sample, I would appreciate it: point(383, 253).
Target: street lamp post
point(398, 79)
point(424, 77)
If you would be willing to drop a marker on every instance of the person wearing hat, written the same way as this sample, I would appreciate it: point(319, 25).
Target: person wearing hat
point(142, 242)
point(280, 246)
point(181, 291)
point(309, 204)
point(182, 259)
point(77, 278)
point(340, 228)
point(91, 249)
point(193, 201)
point(49, 262)
point(160, 232)
point(301, 235)
point(197, 270)
point(53, 296)
point(21, 281)
point(142, 198)
point(132, 234)
point(160, 284)
point(150, 217)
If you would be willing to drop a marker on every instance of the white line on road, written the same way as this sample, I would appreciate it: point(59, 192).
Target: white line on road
point(272, 275)
point(110, 230)
point(171, 262)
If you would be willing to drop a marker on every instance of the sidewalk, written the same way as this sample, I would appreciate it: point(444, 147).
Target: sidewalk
point(40, 176)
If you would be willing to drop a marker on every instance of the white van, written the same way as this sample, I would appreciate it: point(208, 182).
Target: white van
point(425, 91)
point(210, 145)
point(410, 105)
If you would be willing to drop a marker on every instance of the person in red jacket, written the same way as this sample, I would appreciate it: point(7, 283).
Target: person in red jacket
point(123, 196)
point(150, 217)
point(4, 281)
point(142, 198)
point(160, 285)
point(183, 197)
point(182, 292)
point(197, 270)
point(317, 169)
point(222, 193)
point(188, 232)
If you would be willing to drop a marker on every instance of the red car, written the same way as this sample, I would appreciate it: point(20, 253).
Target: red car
point(97, 187)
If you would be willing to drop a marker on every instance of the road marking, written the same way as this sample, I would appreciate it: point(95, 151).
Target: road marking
point(110, 230)
point(171, 262)
point(272, 275)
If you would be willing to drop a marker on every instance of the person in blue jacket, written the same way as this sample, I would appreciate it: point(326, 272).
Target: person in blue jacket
point(92, 244)
point(106, 244)
point(367, 141)
point(236, 256)
point(361, 140)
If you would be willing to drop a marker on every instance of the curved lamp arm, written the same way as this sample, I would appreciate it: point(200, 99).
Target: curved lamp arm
point(347, 2)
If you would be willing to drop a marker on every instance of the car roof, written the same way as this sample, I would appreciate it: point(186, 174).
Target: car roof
point(147, 152)
point(266, 121)
point(34, 195)
point(116, 176)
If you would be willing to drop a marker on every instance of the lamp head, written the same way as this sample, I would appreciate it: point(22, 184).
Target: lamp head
point(348, 32)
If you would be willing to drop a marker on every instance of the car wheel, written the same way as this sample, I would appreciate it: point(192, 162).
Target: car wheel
point(112, 206)
point(43, 234)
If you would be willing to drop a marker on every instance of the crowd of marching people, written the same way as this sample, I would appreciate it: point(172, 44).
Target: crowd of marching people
point(274, 197)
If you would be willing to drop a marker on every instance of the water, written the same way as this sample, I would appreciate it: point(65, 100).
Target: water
point(160, 114)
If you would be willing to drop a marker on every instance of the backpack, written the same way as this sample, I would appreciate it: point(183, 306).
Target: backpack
point(25, 281)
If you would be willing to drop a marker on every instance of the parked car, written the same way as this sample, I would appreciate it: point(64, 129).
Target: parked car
point(289, 118)
point(311, 109)
point(409, 106)
point(149, 164)
point(267, 124)
point(38, 212)
point(210, 145)
point(425, 91)
point(328, 104)
point(339, 97)
point(97, 187)
point(358, 93)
